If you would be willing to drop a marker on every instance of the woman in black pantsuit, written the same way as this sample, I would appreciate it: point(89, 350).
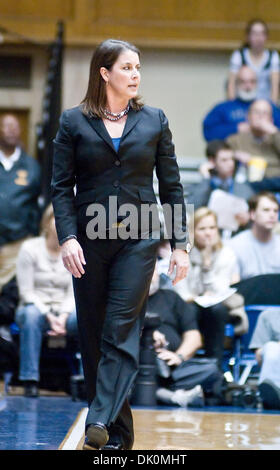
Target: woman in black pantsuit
point(108, 146)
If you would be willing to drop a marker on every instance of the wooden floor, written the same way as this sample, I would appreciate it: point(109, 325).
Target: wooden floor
point(193, 430)
point(24, 424)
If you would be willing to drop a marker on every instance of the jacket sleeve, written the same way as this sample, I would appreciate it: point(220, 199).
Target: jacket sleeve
point(170, 189)
point(63, 181)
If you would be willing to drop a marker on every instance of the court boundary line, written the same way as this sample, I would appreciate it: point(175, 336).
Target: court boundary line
point(75, 432)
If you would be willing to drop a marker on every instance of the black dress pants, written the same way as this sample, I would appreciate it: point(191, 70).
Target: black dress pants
point(111, 300)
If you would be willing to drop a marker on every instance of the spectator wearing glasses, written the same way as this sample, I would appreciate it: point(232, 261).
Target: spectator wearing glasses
point(230, 116)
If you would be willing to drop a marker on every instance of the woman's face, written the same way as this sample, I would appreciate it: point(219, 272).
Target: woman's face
point(124, 77)
point(257, 36)
point(206, 232)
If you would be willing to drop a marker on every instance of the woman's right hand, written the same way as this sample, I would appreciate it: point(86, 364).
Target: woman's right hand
point(73, 257)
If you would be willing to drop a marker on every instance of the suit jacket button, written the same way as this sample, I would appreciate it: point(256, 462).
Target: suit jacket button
point(117, 162)
point(116, 183)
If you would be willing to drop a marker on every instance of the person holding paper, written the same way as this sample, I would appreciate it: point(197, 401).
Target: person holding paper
point(213, 268)
point(219, 173)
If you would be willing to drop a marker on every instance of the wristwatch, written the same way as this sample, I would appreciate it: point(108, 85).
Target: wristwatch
point(187, 248)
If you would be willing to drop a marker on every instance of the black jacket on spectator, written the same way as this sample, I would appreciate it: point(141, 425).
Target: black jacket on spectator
point(8, 303)
point(19, 191)
point(9, 298)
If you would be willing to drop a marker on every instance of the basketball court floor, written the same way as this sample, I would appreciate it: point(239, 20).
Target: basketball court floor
point(57, 423)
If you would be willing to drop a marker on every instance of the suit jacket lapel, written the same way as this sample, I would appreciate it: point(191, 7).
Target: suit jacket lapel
point(132, 118)
point(98, 125)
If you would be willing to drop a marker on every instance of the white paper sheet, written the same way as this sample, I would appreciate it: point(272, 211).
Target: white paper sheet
point(226, 206)
point(210, 300)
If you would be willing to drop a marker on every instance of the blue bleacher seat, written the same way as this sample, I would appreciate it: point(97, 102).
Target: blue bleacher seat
point(245, 363)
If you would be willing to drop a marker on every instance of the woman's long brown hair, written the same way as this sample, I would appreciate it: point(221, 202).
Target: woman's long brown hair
point(105, 55)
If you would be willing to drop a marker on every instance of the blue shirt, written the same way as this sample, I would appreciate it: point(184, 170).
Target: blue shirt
point(223, 119)
point(116, 142)
point(218, 183)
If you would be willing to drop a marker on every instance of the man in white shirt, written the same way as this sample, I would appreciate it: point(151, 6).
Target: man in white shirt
point(258, 249)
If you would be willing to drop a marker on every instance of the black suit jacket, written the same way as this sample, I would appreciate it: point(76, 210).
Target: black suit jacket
point(85, 157)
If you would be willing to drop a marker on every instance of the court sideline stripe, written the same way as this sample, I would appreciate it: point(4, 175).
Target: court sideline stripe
point(75, 433)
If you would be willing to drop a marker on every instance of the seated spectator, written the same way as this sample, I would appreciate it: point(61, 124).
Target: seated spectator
point(207, 167)
point(261, 140)
point(46, 299)
point(258, 249)
point(266, 343)
point(8, 303)
point(176, 341)
point(230, 117)
point(220, 174)
point(212, 270)
point(20, 188)
point(240, 175)
point(263, 61)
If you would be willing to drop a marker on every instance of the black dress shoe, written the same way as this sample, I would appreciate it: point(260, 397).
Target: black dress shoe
point(88, 446)
point(96, 436)
point(116, 442)
point(31, 389)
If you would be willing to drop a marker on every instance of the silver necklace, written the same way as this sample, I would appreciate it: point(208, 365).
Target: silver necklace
point(115, 116)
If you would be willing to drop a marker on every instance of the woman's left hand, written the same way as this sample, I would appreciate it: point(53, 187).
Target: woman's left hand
point(179, 261)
